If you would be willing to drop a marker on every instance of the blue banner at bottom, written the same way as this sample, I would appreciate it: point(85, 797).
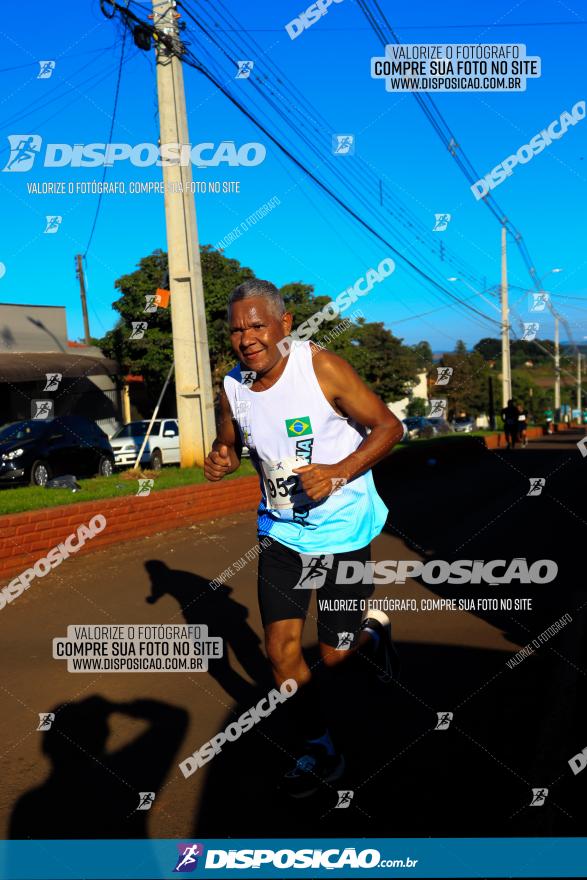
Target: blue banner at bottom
point(271, 858)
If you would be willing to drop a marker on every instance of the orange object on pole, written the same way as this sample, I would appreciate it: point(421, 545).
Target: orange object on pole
point(162, 298)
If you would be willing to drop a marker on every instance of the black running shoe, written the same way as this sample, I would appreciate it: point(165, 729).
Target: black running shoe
point(384, 655)
point(313, 768)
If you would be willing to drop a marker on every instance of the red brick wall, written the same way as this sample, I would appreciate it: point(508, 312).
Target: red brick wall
point(26, 537)
point(498, 441)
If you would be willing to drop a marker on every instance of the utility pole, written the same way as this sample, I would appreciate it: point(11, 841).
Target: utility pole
point(579, 394)
point(82, 292)
point(193, 380)
point(491, 403)
point(506, 373)
point(557, 371)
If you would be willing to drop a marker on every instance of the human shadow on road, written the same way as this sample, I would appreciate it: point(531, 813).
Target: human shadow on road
point(92, 792)
point(224, 617)
point(460, 501)
point(513, 728)
point(408, 779)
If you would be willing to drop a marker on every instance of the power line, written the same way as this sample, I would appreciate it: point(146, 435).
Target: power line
point(113, 120)
point(101, 49)
point(198, 66)
point(438, 122)
point(44, 100)
point(188, 58)
point(310, 116)
point(414, 27)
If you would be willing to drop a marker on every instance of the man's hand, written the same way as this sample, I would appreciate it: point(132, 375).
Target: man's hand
point(320, 480)
point(217, 463)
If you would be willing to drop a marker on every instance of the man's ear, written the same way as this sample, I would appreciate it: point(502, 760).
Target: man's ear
point(286, 322)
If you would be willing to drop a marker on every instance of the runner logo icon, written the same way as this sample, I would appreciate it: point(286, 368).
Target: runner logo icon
point(41, 409)
point(343, 144)
point(23, 151)
point(344, 799)
point(245, 68)
point(187, 860)
point(146, 799)
point(46, 719)
point(441, 222)
point(345, 641)
point(444, 719)
point(314, 570)
point(537, 484)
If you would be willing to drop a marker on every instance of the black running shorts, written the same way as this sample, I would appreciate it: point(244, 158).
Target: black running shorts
point(287, 581)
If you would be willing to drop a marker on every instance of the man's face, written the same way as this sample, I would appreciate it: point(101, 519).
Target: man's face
point(255, 332)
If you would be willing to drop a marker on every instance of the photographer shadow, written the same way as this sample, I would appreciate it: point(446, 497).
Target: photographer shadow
point(93, 792)
point(202, 605)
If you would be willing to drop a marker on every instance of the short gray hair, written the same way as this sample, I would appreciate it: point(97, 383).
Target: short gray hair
point(255, 287)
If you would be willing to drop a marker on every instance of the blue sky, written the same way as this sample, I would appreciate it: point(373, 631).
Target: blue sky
point(307, 237)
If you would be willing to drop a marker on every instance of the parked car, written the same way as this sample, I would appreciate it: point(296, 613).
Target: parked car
point(161, 448)
point(36, 450)
point(441, 426)
point(463, 424)
point(418, 426)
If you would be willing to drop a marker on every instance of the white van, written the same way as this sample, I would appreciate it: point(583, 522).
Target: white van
point(161, 448)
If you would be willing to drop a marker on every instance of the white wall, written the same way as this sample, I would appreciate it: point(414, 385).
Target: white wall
point(398, 407)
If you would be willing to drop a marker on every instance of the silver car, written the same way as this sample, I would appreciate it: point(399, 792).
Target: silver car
point(161, 448)
point(463, 425)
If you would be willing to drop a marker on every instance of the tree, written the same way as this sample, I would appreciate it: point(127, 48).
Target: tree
point(383, 362)
point(488, 348)
point(467, 388)
point(417, 407)
point(389, 367)
point(424, 356)
point(152, 355)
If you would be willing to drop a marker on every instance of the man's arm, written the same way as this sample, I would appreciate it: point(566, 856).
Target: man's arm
point(348, 394)
point(225, 456)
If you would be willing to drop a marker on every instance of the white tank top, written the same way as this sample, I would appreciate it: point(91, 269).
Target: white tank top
point(287, 426)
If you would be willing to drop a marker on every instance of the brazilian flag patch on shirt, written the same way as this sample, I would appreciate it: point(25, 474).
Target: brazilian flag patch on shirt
point(298, 427)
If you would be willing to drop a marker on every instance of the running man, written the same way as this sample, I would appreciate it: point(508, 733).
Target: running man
point(309, 412)
point(522, 425)
point(510, 415)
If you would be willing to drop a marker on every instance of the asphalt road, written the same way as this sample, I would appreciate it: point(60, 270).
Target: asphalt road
point(513, 729)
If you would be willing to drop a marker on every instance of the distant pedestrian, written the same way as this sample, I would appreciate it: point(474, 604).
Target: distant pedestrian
point(522, 425)
point(510, 415)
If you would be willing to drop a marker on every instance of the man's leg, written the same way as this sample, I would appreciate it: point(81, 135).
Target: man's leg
point(283, 640)
point(348, 627)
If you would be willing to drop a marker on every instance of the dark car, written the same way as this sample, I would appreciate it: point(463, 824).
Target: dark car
point(36, 450)
point(418, 426)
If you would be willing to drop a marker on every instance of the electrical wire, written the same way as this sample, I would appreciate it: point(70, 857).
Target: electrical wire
point(288, 103)
point(437, 120)
point(112, 123)
point(197, 63)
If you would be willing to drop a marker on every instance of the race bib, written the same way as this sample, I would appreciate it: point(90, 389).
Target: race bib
point(283, 488)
